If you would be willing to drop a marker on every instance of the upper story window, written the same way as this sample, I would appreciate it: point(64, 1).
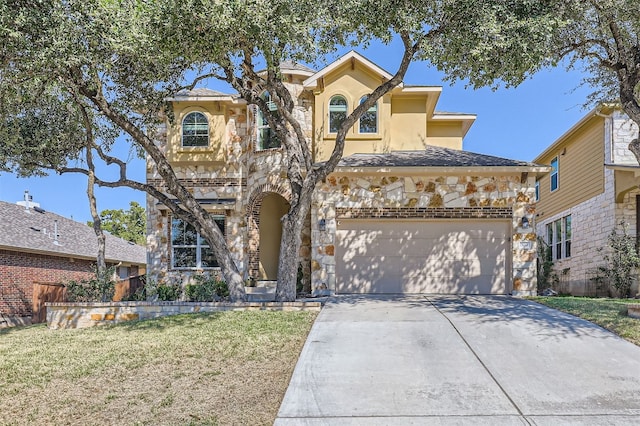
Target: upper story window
point(337, 112)
point(369, 120)
point(189, 249)
point(537, 190)
point(267, 138)
point(554, 174)
point(195, 130)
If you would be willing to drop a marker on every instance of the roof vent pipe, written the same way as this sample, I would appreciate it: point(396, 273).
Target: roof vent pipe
point(27, 199)
point(55, 232)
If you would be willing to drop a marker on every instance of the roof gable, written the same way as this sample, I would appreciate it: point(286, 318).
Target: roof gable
point(312, 82)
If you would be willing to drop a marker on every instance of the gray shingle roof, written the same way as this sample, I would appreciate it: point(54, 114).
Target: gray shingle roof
point(288, 65)
point(33, 232)
point(432, 156)
point(203, 92)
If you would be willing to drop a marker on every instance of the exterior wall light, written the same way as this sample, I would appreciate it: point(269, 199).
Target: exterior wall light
point(525, 222)
point(322, 225)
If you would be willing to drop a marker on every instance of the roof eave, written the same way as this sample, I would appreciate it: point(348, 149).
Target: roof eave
point(69, 255)
point(602, 111)
point(447, 170)
point(229, 99)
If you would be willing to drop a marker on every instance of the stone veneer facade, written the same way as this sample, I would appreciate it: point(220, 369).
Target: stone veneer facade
point(593, 220)
point(430, 197)
point(246, 177)
point(249, 174)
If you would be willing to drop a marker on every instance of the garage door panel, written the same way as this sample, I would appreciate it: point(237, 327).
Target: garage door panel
point(394, 256)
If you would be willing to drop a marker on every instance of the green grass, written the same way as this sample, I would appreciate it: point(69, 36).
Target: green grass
point(222, 368)
point(608, 313)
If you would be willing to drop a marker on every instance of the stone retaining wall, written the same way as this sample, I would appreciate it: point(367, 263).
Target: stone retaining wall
point(82, 315)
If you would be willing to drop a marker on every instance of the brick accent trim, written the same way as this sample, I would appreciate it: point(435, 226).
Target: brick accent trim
point(424, 213)
point(253, 222)
point(206, 182)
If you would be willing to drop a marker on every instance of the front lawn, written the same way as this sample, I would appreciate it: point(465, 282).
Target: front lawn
point(608, 313)
point(200, 369)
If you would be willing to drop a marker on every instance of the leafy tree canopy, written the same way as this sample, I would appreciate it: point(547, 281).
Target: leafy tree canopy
point(75, 75)
point(130, 224)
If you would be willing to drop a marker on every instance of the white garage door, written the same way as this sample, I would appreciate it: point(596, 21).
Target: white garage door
point(436, 256)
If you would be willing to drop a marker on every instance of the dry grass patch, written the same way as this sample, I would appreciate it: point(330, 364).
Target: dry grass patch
point(199, 369)
point(608, 313)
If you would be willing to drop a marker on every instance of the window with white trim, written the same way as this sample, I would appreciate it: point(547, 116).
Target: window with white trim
point(188, 249)
point(337, 112)
point(267, 138)
point(369, 120)
point(559, 237)
point(537, 190)
point(554, 174)
point(195, 130)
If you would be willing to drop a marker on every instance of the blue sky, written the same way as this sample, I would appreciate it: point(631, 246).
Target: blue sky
point(516, 123)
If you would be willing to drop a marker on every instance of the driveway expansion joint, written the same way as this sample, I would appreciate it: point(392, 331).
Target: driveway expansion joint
point(495, 380)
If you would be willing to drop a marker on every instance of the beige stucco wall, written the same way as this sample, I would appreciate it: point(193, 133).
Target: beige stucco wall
point(404, 122)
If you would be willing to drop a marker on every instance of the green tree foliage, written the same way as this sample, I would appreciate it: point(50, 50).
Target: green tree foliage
point(75, 75)
point(603, 38)
point(130, 224)
point(622, 259)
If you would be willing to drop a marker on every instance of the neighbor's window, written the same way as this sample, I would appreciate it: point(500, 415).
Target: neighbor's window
point(369, 120)
point(554, 174)
point(567, 236)
point(189, 249)
point(267, 138)
point(559, 237)
point(195, 130)
point(337, 113)
point(537, 190)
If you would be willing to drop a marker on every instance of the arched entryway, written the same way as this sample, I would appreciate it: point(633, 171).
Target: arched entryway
point(274, 206)
point(265, 209)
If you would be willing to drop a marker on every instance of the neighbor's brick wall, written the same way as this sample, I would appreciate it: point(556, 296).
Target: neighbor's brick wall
point(18, 272)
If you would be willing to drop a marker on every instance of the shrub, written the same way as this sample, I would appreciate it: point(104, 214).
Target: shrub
point(168, 292)
point(99, 288)
point(621, 259)
point(546, 276)
point(206, 289)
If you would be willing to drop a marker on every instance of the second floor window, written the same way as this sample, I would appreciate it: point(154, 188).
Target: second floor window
point(267, 138)
point(337, 113)
point(554, 174)
point(195, 130)
point(537, 190)
point(369, 120)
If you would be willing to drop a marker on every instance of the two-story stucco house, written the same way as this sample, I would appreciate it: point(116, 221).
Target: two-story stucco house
point(406, 211)
point(592, 186)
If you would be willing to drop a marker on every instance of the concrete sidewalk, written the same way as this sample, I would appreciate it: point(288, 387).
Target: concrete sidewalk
point(480, 360)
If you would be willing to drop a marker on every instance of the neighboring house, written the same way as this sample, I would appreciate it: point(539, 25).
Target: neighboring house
point(406, 211)
point(592, 186)
point(39, 250)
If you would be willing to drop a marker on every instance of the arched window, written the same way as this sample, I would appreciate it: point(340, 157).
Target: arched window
point(337, 112)
point(195, 130)
point(369, 120)
point(267, 138)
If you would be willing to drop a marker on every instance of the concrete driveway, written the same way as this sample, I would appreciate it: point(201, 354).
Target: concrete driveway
point(448, 360)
